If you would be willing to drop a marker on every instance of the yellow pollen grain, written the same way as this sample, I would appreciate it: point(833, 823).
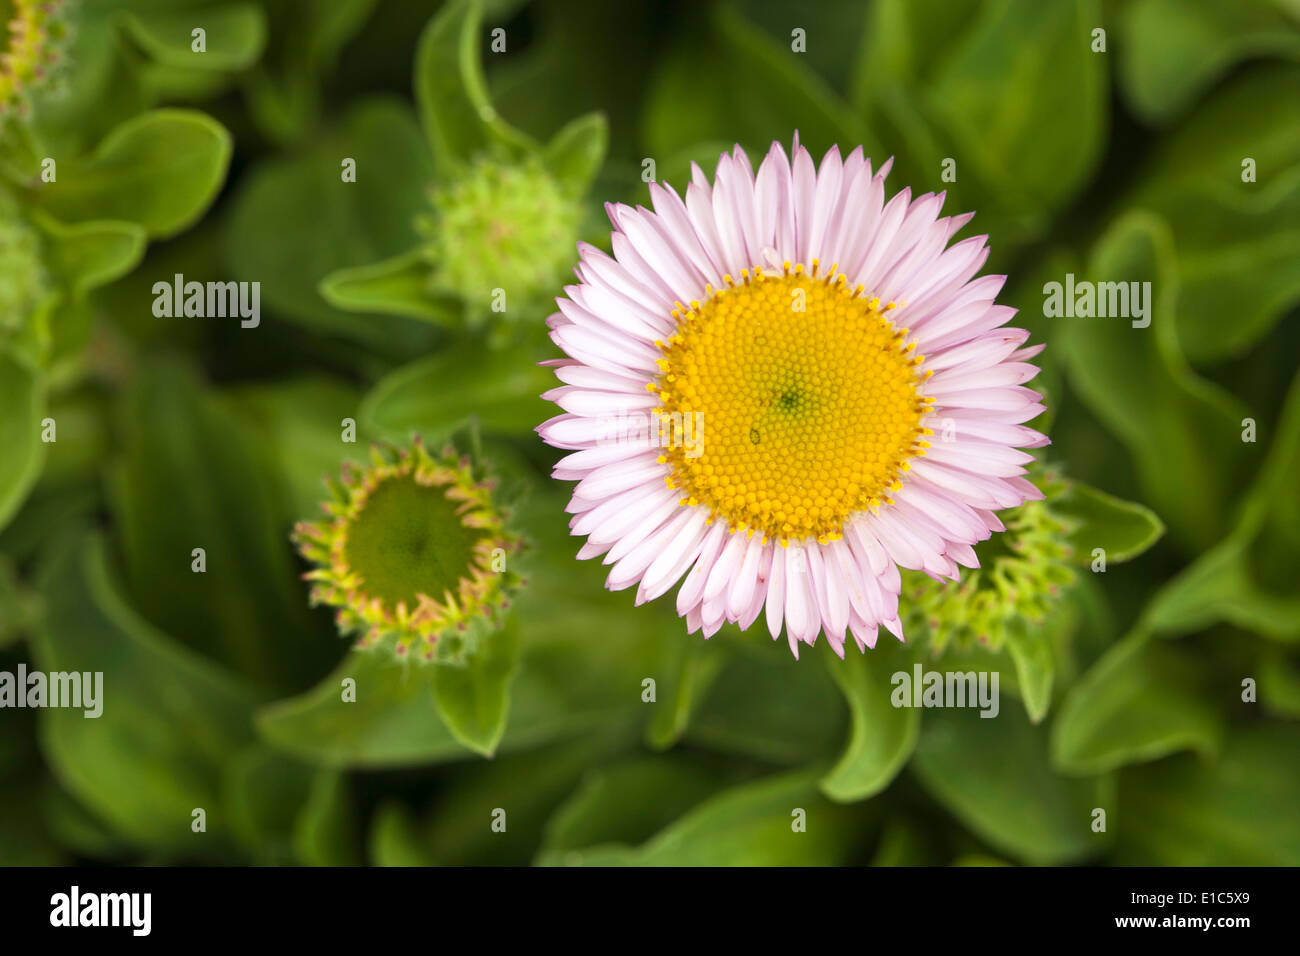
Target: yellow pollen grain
point(807, 400)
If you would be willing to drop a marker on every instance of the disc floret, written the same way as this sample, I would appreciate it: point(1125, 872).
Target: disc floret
point(809, 398)
point(414, 555)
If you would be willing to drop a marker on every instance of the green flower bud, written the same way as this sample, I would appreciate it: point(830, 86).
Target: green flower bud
point(414, 555)
point(33, 41)
point(1023, 572)
point(501, 237)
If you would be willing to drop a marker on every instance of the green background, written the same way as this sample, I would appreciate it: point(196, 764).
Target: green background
point(222, 688)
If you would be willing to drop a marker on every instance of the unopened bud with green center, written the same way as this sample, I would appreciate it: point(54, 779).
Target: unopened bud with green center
point(501, 229)
point(415, 555)
point(33, 38)
point(23, 279)
point(1023, 572)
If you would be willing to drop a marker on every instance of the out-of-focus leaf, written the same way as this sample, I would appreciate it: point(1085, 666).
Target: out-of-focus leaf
point(451, 93)
point(160, 169)
point(234, 35)
point(283, 91)
point(436, 395)
point(301, 426)
point(776, 821)
point(625, 804)
point(1279, 683)
point(324, 224)
point(1236, 811)
point(191, 479)
point(170, 720)
point(324, 833)
point(575, 153)
point(394, 838)
point(694, 666)
point(495, 812)
point(473, 699)
point(1140, 702)
point(1123, 529)
point(1235, 241)
point(90, 254)
point(391, 722)
point(22, 400)
point(733, 82)
point(1172, 50)
point(1136, 381)
point(1244, 579)
point(396, 286)
point(262, 791)
point(882, 736)
point(76, 829)
point(768, 705)
point(905, 842)
point(25, 837)
point(1030, 152)
point(994, 776)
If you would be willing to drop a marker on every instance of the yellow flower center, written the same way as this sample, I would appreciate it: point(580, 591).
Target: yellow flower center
point(799, 400)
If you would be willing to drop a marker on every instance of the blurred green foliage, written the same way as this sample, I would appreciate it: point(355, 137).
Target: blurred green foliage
point(1113, 156)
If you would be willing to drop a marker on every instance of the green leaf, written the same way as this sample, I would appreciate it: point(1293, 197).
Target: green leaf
point(463, 824)
point(170, 720)
point(323, 224)
point(1279, 683)
point(1023, 98)
point(451, 93)
point(161, 170)
point(262, 792)
point(91, 254)
point(1172, 50)
point(25, 837)
point(392, 721)
point(625, 804)
point(235, 34)
point(883, 736)
point(906, 41)
point(731, 81)
point(767, 705)
point(246, 608)
point(1136, 381)
point(693, 668)
point(993, 776)
point(394, 838)
point(1035, 659)
point(575, 154)
point(906, 842)
point(1246, 579)
point(22, 401)
point(283, 91)
point(1235, 239)
point(396, 286)
point(300, 426)
point(755, 824)
point(1123, 529)
point(324, 833)
point(1236, 811)
point(436, 395)
point(1140, 702)
point(473, 700)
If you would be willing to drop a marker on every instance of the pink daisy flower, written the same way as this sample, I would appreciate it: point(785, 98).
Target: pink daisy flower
point(782, 389)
